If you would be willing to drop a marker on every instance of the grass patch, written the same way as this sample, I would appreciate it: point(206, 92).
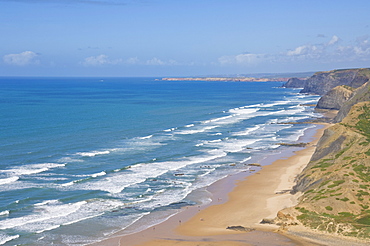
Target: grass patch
point(364, 220)
point(362, 172)
point(338, 194)
point(363, 123)
point(359, 223)
point(362, 193)
point(336, 183)
point(341, 152)
point(324, 183)
point(368, 152)
point(322, 165)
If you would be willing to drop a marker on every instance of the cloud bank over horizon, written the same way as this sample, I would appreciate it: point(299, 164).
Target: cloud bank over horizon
point(104, 60)
point(333, 50)
point(330, 51)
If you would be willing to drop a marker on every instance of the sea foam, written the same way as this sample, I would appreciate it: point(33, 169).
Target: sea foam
point(8, 180)
point(6, 238)
point(31, 169)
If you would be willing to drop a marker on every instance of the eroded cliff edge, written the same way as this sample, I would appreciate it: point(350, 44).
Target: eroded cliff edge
point(322, 82)
point(335, 185)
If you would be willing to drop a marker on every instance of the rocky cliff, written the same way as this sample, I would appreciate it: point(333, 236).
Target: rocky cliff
point(335, 185)
point(322, 82)
point(335, 98)
point(362, 94)
point(295, 83)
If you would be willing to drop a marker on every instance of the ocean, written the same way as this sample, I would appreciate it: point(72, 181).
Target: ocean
point(83, 158)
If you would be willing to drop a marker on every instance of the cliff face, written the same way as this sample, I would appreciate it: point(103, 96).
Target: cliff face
point(335, 185)
point(295, 83)
point(322, 82)
point(362, 94)
point(335, 98)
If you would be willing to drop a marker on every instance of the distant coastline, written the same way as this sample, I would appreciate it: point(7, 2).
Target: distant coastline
point(230, 79)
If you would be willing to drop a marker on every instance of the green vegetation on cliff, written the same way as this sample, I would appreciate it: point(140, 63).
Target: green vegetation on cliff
point(335, 185)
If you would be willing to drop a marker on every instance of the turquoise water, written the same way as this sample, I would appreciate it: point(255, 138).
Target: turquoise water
point(82, 158)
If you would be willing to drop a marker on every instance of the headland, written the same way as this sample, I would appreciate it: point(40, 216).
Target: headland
point(226, 79)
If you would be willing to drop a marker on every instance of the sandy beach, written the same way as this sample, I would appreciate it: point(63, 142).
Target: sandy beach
point(249, 200)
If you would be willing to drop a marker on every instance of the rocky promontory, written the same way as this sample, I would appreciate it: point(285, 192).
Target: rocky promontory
point(361, 94)
point(335, 98)
point(295, 83)
point(226, 79)
point(322, 82)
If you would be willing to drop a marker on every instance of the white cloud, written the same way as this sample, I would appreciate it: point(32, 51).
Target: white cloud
point(99, 61)
point(133, 60)
point(362, 47)
point(331, 51)
point(300, 50)
point(242, 59)
point(173, 63)
point(155, 61)
point(151, 62)
point(21, 59)
point(305, 52)
point(333, 40)
point(158, 62)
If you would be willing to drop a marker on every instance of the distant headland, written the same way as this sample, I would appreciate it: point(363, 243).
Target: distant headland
point(227, 79)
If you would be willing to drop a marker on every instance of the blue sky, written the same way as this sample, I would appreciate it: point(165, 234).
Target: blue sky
point(181, 37)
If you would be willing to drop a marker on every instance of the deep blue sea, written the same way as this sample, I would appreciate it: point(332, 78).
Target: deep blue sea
point(82, 158)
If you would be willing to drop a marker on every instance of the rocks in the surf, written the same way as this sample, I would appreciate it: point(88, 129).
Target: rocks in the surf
point(267, 221)
point(240, 228)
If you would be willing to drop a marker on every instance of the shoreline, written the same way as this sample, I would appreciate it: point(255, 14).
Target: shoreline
point(243, 199)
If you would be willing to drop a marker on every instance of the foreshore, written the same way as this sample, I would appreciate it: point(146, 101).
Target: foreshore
point(238, 200)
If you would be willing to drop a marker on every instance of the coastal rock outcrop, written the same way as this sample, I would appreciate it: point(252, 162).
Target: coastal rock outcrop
point(362, 94)
point(295, 83)
point(335, 98)
point(322, 82)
